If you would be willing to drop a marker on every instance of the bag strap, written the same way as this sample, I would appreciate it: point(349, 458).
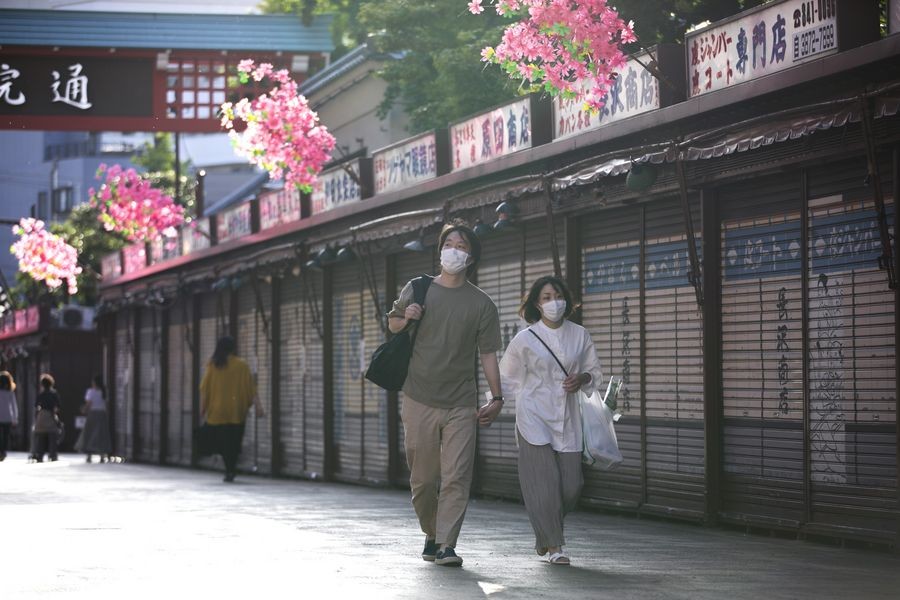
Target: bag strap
point(420, 288)
point(531, 331)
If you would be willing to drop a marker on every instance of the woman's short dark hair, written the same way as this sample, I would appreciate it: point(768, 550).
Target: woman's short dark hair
point(529, 310)
point(5, 382)
point(47, 381)
point(98, 382)
point(225, 347)
point(469, 235)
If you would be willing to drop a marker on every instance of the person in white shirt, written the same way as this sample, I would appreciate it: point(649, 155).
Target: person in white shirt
point(9, 411)
point(95, 439)
point(543, 369)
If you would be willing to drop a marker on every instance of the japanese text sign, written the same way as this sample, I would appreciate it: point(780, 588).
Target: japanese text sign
point(406, 164)
point(195, 236)
point(234, 223)
point(759, 43)
point(279, 206)
point(490, 135)
point(134, 257)
point(336, 187)
point(634, 91)
point(111, 266)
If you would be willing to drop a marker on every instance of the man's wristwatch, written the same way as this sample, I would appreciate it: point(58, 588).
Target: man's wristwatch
point(497, 399)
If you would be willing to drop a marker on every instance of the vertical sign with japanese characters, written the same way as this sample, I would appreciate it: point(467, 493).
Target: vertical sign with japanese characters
point(279, 206)
point(234, 223)
point(761, 42)
point(634, 91)
point(336, 187)
point(496, 133)
point(406, 164)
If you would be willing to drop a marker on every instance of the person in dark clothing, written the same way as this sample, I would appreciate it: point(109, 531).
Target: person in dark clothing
point(46, 420)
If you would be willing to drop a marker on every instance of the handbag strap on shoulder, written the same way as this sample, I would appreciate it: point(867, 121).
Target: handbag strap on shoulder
point(420, 288)
point(531, 331)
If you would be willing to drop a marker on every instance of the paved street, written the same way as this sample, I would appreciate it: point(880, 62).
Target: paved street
point(76, 530)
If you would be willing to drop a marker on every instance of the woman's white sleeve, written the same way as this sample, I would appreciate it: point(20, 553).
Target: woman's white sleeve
point(512, 370)
point(590, 364)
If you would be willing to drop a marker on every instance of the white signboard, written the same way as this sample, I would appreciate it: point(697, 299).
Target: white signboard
point(279, 206)
point(195, 236)
point(335, 187)
point(762, 42)
point(404, 165)
point(483, 138)
point(634, 91)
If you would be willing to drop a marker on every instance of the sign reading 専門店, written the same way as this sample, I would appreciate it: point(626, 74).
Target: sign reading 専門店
point(760, 42)
point(407, 163)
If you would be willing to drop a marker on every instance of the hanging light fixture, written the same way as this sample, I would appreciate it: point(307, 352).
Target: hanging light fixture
point(481, 228)
point(416, 245)
point(345, 254)
point(505, 212)
point(326, 255)
point(640, 177)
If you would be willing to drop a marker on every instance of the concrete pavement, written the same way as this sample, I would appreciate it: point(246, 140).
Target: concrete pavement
point(76, 530)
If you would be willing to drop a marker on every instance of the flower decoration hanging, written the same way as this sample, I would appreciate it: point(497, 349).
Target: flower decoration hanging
point(282, 134)
point(130, 205)
point(44, 256)
point(562, 47)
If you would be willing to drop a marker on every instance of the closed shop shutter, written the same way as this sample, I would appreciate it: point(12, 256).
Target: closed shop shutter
point(409, 265)
point(293, 384)
point(148, 394)
point(311, 333)
point(180, 382)
point(612, 314)
point(762, 355)
point(375, 405)
point(501, 274)
point(254, 331)
point(348, 383)
point(673, 369)
point(123, 382)
point(852, 356)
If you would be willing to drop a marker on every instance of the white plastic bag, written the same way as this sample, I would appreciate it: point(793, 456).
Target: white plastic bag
point(601, 449)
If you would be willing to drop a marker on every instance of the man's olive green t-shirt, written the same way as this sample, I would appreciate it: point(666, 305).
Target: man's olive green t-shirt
point(457, 325)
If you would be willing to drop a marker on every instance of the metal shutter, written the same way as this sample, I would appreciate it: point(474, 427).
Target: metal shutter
point(762, 365)
point(314, 404)
point(673, 368)
point(122, 381)
point(408, 266)
point(375, 404)
point(501, 276)
point(852, 357)
point(148, 392)
point(179, 363)
point(612, 314)
point(348, 397)
point(294, 377)
point(254, 331)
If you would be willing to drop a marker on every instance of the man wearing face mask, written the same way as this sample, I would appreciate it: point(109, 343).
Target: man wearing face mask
point(548, 415)
point(457, 322)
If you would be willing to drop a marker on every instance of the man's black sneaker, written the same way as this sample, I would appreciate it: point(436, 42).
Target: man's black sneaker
point(430, 550)
point(448, 558)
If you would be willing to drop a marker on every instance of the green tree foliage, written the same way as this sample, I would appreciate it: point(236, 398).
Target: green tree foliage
point(157, 159)
point(438, 75)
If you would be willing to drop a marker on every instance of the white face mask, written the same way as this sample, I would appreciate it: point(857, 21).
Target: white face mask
point(554, 310)
point(453, 260)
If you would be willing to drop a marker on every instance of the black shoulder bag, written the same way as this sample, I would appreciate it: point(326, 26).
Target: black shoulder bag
point(390, 361)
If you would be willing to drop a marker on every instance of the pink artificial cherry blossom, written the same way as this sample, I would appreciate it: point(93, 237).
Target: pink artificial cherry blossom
point(282, 134)
point(44, 256)
point(567, 47)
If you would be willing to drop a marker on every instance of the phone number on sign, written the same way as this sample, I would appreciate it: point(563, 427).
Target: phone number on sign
point(814, 41)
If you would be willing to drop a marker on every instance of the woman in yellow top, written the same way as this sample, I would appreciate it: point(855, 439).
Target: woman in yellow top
point(226, 394)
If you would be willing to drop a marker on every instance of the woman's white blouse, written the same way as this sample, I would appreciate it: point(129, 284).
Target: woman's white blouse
point(545, 413)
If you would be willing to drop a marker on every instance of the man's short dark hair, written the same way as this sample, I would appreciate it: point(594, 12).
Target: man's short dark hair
point(471, 238)
point(529, 310)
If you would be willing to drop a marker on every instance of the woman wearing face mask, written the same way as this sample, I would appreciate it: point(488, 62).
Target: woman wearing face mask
point(548, 415)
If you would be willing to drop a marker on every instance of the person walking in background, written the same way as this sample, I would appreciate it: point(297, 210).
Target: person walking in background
point(95, 438)
point(226, 394)
point(543, 368)
point(440, 409)
point(46, 420)
point(9, 411)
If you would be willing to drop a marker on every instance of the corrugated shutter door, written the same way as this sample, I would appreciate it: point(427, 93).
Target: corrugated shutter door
point(124, 396)
point(254, 330)
point(408, 266)
point(148, 391)
point(500, 275)
point(179, 363)
point(348, 404)
point(293, 377)
point(762, 367)
point(673, 371)
point(852, 357)
point(314, 406)
point(375, 406)
point(612, 313)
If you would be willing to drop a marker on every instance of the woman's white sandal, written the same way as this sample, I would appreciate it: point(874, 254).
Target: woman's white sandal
point(558, 558)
